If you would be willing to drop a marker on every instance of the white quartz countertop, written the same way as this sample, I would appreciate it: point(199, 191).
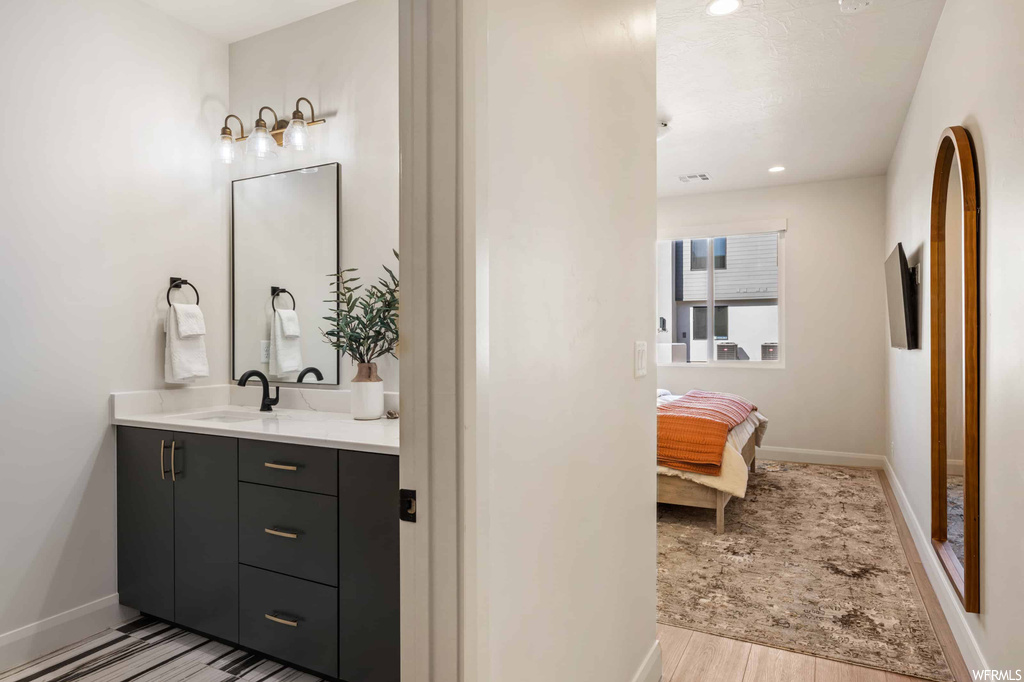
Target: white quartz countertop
point(210, 412)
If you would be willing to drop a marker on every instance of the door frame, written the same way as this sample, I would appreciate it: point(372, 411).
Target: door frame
point(430, 352)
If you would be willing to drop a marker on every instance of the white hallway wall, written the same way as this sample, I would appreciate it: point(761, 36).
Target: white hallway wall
point(569, 541)
point(107, 190)
point(345, 61)
point(829, 395)
point(971, 78)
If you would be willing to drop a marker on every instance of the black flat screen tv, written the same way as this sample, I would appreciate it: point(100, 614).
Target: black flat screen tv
point(901, 291)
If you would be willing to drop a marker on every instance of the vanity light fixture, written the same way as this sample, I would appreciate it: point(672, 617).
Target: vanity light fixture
point(292, 133)
point(296, 135)
point(260, 144)
point(225, 146)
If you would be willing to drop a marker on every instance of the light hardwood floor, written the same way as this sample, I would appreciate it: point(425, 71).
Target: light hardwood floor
point(689, 656)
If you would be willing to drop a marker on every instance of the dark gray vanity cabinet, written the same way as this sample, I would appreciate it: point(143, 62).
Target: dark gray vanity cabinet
point(368, 563)
point(289, 550)
point(206, 534)
point(177, 528)
point(145, 521)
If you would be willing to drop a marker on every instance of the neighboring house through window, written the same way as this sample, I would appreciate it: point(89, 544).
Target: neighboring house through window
point(740, 295)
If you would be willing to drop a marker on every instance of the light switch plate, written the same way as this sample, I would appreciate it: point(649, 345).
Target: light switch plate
point(640, 359)
point(265, 352)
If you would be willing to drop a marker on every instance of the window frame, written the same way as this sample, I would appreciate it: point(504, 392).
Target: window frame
point(712, 232)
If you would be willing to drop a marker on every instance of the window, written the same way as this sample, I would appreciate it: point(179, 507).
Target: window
point(699, 253)
point(737, 300)
point(720, 246)
point(700, 322)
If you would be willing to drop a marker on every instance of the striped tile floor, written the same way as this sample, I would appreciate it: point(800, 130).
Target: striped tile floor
point(149, 650)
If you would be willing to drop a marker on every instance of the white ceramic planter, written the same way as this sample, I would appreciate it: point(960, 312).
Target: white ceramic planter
point(367, 393)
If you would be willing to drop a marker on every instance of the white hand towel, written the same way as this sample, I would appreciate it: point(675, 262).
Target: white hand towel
point(290, 323)
point(285, 352)
point(190, 320)
point(184, 358)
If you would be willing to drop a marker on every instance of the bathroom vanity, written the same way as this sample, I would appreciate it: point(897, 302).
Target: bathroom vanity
point(231, 523)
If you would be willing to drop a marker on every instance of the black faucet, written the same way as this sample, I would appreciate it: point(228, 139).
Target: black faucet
point(267, 403)
point(310, 370)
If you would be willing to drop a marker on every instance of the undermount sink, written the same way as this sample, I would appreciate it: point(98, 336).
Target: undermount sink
point(229, 416)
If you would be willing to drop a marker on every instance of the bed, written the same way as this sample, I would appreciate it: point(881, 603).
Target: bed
point(714, 492)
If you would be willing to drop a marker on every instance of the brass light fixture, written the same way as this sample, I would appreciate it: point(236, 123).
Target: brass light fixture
point(296, 135)
point(225, 146)
point(262, 142)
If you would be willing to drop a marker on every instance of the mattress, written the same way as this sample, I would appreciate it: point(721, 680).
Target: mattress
point(733, 476)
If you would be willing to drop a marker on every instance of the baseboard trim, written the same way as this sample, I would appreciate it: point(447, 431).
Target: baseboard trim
point(650, 669)
point(948, 600)
point(955, 467)
point(846, 459)
point(45, 636)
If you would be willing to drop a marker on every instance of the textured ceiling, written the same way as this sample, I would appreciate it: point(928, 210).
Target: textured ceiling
point(794, 83)
point(232, 20)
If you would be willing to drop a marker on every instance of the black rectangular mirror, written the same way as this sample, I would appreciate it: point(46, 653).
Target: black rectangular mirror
point(285, 244)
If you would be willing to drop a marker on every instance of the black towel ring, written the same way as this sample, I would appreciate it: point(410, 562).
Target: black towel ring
point(277, 291)
point(176, 283)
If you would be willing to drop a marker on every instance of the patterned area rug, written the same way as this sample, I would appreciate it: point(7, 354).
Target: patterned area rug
point(810, 561)
point(149, 650)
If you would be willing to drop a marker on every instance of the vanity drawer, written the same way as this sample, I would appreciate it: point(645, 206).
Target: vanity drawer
point(299, 467)
point(288, 531)
point(288, 618)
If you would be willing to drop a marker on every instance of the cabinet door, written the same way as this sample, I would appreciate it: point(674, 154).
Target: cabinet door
point(145, 521)
point(368, 567)
point(206, 534)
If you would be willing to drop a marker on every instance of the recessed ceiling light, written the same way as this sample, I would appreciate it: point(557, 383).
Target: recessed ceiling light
point(719, 8)
point(776, 169)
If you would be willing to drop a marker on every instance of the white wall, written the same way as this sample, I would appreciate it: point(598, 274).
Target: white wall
point(971, 78)
point(107, 190)
point(570, 174)
point(829, 395)
point(345, 61)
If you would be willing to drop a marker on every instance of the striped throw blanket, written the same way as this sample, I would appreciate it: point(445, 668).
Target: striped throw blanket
point(692, 430)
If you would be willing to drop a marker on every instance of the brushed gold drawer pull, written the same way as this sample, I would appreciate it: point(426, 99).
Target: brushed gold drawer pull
point(281, 533)
point(282, 621)
point(163, 477)
point(172, 462)
point(282, 467)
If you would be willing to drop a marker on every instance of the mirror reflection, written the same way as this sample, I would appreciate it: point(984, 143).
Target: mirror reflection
point(285, 236)
point(955, 389)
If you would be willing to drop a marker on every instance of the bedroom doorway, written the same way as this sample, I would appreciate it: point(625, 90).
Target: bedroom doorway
point(783, 552)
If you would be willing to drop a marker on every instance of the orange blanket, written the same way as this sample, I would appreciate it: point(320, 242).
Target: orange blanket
point(692, 430)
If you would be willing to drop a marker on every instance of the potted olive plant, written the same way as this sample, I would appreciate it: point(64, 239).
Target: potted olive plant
point(364, 326)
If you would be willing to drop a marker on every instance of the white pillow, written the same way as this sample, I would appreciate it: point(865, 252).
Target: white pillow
point(662, 392)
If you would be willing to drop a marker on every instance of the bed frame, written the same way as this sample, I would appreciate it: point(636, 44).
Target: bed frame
point(675, 490)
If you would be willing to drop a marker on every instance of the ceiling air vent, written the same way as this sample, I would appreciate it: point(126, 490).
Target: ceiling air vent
point(695, 177)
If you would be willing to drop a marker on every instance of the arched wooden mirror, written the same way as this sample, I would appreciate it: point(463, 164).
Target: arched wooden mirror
point(955, 365)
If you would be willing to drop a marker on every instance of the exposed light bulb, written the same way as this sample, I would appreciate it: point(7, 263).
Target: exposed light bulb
point(260, 144)
point(719, 8)
point(225, 149)
point(296, 135)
